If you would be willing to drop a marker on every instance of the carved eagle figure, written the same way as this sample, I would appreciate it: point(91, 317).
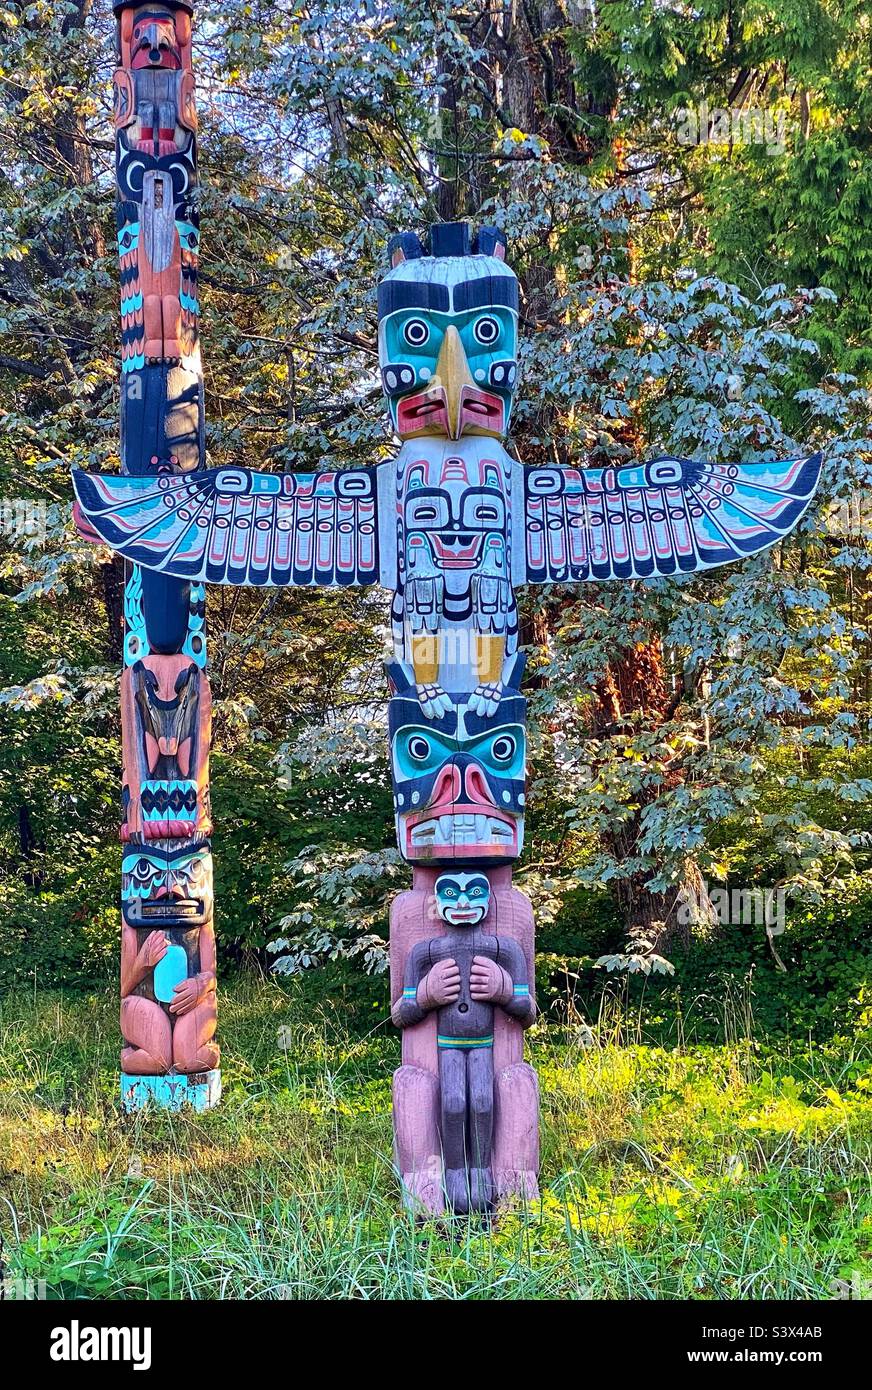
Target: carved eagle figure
point(453, 525)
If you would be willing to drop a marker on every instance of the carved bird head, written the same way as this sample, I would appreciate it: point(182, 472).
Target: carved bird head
point(448, 333)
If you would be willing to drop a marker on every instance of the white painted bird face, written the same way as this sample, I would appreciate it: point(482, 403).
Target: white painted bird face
point(448, 338)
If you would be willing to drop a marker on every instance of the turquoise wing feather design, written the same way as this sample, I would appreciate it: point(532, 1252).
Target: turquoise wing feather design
point(671, 516)
point(235, 526)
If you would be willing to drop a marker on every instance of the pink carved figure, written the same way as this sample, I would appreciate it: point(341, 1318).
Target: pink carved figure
point(445, 1121)
point(168, 976)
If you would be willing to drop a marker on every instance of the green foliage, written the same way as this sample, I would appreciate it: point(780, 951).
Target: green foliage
point(822, 992)
point(699, 1172)
point(676, 299)
point(784, 192)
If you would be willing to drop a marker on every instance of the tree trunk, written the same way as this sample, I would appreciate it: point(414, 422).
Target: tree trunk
point(533, 86)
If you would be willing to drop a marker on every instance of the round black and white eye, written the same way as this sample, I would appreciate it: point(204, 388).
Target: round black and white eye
point(486, 330)
point(143, 871)
point(419, 749)
point(504, 749)
point(416, 332)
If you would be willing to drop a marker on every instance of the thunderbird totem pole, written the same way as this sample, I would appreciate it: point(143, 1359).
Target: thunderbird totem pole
point(451, 526)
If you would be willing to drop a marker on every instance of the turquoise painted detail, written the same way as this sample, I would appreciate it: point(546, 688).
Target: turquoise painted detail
point(133, 364)
point(189, 237)
point(521, 989)
point(128, 238)
point(465, 1042)
point(130, 306)
point(195, 642)
point(173, 1092)
point(143, 870)
point(188, 303)
point(419, 750)
point(136, 637)
point(415, 336)
point(170, 972)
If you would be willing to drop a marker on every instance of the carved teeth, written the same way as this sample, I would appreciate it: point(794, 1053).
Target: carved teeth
point(462, 829)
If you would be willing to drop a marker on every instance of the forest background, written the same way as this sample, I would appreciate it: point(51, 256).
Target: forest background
point(687, 194)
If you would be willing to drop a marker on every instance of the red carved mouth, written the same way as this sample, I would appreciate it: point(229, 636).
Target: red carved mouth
point(428, 410)
point(455, 557)
point(459, 830)
point(425, 410)
point(481, 410)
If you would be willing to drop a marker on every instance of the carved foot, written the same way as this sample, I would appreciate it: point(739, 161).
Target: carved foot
point(516, 1132)
point(422, 1191)
point(481, 1189)
point(457, 1190)
point(416, 1140)
point(485, 699)
point(434, 701)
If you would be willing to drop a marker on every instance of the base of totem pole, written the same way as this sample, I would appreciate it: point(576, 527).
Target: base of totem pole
point(418, 1149)
point(200, 1091)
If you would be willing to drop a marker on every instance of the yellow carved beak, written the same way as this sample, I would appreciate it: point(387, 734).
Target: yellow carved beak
point(452, 374)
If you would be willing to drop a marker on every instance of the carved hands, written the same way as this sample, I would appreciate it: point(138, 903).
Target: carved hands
point(485, 699)
point(151, 952)
point(489, 983)
point(434, 702)
point(441, 985)
point(188, 993)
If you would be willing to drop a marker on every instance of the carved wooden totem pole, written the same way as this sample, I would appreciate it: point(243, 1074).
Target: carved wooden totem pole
point(168, 1008)
point(452, 525)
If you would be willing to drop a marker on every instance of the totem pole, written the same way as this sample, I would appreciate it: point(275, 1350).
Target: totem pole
point(452, 526)
point(168, 1007)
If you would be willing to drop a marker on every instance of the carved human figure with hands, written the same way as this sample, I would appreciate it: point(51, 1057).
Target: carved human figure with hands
point(464, 975)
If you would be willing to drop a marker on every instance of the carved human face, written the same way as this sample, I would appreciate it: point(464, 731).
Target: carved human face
point(154, 42)
point(462, 900)
point(166, 887)
point(455, 511)
point(459, 781)
point(448, 336)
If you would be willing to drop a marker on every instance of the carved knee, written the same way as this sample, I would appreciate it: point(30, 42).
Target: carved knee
point(481, 1095)
point(453, 1101)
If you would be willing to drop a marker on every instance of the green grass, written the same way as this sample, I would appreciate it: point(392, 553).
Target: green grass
point(705, 1172)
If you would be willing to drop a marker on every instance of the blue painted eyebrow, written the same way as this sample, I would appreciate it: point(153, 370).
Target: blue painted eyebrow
point(499, 290)
point(411, 294)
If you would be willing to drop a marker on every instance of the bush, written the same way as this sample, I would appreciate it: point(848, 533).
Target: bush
point(732, 981)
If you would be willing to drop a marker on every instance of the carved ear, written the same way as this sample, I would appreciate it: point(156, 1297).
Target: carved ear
point(405, 246)
point(183, 28)
point(126, 26)
point(491, 242)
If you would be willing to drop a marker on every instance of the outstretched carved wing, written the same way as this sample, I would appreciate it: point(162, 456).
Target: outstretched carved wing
point(234, 526)
point(671, 516)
